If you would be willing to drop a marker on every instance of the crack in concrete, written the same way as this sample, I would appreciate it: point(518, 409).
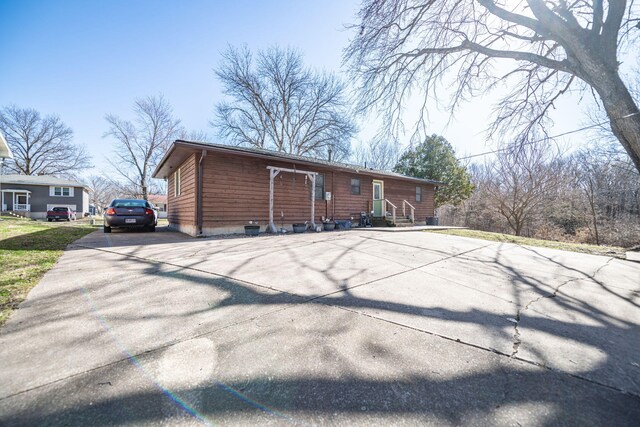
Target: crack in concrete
point(517, 341)
point(494, 351)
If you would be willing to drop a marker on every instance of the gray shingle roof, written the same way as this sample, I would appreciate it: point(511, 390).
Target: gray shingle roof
point(40, 180)
point(285, 156)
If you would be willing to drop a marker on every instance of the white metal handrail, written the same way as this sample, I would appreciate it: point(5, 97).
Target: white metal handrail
point(393, 210)
point(22, 207)
point(413, 210)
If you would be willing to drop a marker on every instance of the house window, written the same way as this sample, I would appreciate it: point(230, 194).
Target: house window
point(319, 187)
point(418, 194)
point(176, 183)
point(62, 191)
point(355, 186)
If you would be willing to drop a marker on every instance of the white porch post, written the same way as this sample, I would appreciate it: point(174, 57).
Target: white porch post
point(313, 199)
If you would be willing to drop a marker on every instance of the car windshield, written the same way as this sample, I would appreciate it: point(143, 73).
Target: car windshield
point(60, 209)
point(129, 204)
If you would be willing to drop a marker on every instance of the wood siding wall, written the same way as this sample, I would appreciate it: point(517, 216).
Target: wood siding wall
point(236, 191)
point(182, 209)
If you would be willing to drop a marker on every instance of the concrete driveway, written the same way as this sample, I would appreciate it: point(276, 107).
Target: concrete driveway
point(356, 327)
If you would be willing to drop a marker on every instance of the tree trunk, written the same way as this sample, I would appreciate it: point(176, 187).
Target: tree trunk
point(145, 196)
point(622, 111)
point(518, 229)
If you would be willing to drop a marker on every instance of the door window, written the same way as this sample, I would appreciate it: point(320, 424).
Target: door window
point(377, 191)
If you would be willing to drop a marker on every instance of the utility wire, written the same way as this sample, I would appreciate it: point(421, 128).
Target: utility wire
point(547, 138)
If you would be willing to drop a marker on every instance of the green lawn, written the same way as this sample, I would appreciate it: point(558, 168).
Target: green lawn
point(508, 238)
point(27, 250)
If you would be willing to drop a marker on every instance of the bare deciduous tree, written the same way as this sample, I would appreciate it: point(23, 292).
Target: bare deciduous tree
point(378, 154)
point(610, 188)
point(103, 190)
point(140, 144)
point(41, 145)
point(194, 135)
point(279, 104)
point(520, 178)
point(556, 46)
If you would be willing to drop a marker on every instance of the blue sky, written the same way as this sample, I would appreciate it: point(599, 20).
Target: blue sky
point(83, 59)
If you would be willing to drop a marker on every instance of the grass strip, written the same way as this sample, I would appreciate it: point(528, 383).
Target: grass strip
point(612, 251)
point(28, 249)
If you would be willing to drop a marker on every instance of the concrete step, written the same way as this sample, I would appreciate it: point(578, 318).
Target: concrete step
point(400, 222)
point(378, 222)
point(388, 222)
point(404, 224)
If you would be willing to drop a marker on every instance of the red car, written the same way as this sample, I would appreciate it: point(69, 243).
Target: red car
point(59, 213)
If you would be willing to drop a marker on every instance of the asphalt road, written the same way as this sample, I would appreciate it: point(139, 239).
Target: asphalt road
point(350, 327)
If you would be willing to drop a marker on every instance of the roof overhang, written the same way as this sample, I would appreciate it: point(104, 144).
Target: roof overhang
point(177, 154)
point(181, 150)
point(5, 151)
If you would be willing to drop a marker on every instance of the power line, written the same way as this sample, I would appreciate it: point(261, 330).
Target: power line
point(547, 138)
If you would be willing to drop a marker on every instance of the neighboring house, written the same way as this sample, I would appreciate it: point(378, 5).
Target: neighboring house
point(214, 189)
point(34, 195)
point(160, 201)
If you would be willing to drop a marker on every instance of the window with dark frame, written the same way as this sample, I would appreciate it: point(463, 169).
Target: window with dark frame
point(319, 187)
point(418, 194)
point(355, 186)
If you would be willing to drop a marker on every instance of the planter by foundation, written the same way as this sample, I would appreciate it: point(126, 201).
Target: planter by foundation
point(329, 226)
point(299, 228)
point(251, 230)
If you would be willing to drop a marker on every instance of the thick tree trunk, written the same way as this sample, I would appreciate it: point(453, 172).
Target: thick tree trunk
point(624, 117)
point(623, 113)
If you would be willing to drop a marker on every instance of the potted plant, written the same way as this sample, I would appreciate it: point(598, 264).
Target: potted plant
point(252, 229)
point(328, 224)
point(300, 227)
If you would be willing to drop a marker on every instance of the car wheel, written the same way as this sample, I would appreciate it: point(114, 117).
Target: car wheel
point(107, 229)
point(49, 219)
point(152, 228)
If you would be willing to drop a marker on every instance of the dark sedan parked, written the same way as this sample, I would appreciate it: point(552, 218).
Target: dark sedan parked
point(128, 213)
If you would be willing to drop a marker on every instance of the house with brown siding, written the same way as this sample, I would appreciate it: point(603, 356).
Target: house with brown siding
point(218, 189)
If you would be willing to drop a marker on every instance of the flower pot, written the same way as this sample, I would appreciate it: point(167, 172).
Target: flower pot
point(251, 230)
point(329, 226)
point(299, 228)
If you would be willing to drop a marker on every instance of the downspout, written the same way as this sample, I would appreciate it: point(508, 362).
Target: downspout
point(199, 215)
